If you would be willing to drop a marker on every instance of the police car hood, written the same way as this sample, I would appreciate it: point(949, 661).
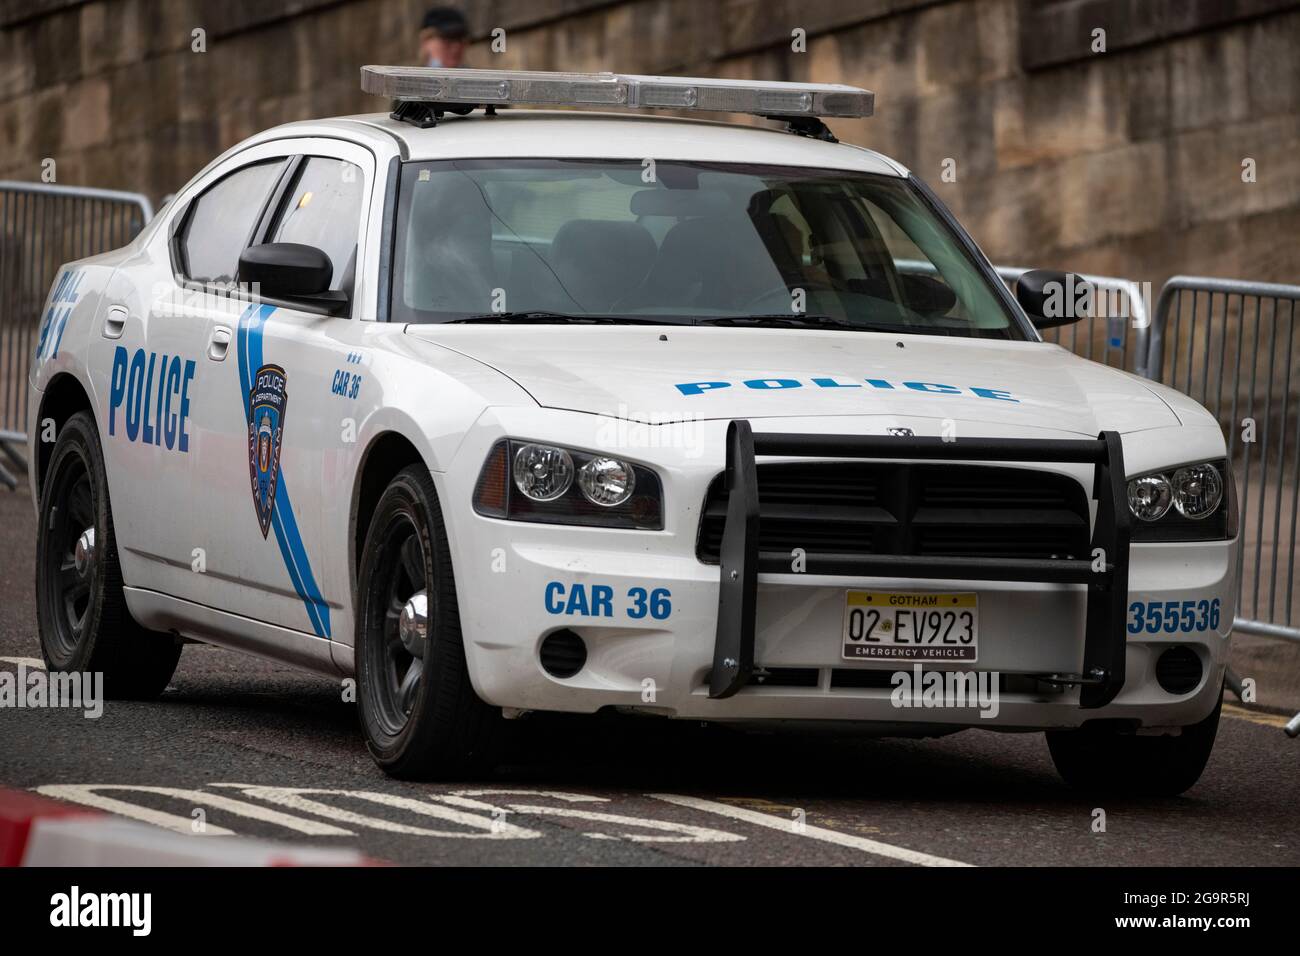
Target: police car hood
point(664, 374)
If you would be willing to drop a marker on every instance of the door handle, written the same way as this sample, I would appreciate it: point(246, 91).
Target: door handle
point(114, 322)
point(218, 343)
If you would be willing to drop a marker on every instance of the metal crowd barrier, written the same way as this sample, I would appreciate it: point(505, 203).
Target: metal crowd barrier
point(42, 226)
point(1234, 347)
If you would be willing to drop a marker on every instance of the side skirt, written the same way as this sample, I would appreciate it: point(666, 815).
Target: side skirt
point(208, 625)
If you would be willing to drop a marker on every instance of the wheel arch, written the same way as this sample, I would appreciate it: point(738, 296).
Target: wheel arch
point(387, 453)
point(63, 397)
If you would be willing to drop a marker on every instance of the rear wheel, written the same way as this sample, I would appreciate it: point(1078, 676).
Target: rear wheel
point(1106, 760)
point(419, 712)
point(81, 610)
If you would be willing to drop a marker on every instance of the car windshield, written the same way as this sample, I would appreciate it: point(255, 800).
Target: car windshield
point(514, 240)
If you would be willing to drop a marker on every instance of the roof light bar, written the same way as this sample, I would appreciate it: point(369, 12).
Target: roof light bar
point(492, 87)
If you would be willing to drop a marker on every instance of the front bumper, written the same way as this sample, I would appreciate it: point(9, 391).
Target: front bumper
point(515, 580)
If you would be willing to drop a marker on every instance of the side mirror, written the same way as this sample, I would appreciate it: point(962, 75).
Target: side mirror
point(286, 270)
point(1053, 299)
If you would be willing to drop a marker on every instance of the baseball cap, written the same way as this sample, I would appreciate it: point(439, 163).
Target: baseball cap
point(447, 22)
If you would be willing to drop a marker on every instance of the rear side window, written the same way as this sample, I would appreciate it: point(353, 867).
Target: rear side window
point(324, 210)
point(221, 222)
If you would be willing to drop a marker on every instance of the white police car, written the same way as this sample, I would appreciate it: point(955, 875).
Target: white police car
point(529, 411)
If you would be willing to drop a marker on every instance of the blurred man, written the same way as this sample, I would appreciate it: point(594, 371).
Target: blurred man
point(443, 37)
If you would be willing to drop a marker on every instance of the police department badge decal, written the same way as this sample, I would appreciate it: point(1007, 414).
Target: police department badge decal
point(266, 407)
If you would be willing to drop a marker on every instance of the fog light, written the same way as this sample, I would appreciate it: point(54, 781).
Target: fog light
point(563, 653)
point(1178, 670)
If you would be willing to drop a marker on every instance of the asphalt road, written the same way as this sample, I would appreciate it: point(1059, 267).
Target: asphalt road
point(628, 791)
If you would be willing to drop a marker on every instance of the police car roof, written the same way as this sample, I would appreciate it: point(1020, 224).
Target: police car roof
point(520, 133)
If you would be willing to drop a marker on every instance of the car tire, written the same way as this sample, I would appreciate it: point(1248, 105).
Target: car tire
point(81, 612)
point(1108, 761)
point(428, 723)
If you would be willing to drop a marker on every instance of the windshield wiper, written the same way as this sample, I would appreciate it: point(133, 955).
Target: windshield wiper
point(796, 320)
point(785, 320)
point(542, 316)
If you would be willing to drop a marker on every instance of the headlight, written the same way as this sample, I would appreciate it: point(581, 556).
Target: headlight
point(543, 472)
point(1149, 497)
point(607, 482)
point(532, 481)
point(1197, 491)
point(1184, 503)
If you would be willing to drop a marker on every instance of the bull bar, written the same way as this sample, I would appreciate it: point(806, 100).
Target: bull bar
point(1105, 574)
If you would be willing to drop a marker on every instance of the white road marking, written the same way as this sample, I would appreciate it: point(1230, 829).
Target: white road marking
point(553, 794)
point(482, 819)
point(88, 795)
point(677, 832)
point(812, 832)
point(33, 663)
point(299, 798)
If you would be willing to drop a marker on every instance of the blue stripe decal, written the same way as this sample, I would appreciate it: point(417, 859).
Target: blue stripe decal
point(249, 344)
point(246, 372)
point(67, 314)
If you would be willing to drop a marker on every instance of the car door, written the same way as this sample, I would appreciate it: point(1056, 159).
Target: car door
point(164, 355)
point(234, 522)
point(301, 373)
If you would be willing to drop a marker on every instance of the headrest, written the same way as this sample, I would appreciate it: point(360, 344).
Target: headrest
point(598, 260)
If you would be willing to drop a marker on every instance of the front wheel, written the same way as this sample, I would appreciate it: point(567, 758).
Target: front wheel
point(1106, 760)
point(80, 608)
point(419, 713)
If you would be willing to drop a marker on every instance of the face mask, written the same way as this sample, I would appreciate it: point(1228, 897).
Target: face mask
point(434, 61)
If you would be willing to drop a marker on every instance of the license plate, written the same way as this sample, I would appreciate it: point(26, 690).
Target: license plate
point(906, 626)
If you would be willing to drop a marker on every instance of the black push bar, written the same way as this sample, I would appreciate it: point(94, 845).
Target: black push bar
point(1107, 578)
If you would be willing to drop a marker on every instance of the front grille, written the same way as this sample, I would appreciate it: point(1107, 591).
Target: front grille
point(942, 510)
point(784, 677)
point(863, 678)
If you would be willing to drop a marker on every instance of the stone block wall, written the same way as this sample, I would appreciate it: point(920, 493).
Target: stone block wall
point(1126, 162)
